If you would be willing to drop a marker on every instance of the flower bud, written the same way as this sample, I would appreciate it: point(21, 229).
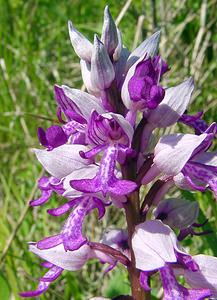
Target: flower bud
point(118, 49)
point(109, 32)
point(178, 213)
point(82, 46)
point(102, 71)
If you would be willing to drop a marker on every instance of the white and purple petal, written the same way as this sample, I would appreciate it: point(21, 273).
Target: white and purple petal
point(63, 160)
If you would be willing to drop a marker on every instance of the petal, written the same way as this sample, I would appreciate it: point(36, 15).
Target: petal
point(152, 245)
point(121, 187)
point(200, 175)
point(173, 290)
point(70, 260)
point(143, 278)
point(55, 136)
point(63, 160)
point(42, 287)
point(82, 46)
point(173, 105)
point(194, 121)
point(177, 213)
point(42, 137)
point(105, 180)
point(63, 208)
point(207, 158)
point(45, 196)
point(86, 102)
point(124, 124)
point(173, 151)
point(64, 102)
point(52, 274)
point(149, 47)
point(119, 66)
point(49, 242)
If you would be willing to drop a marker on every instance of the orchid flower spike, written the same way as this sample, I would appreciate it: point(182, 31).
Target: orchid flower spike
point(100, 151)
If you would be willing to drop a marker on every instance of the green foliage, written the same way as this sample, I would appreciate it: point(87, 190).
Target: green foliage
point(35, 53)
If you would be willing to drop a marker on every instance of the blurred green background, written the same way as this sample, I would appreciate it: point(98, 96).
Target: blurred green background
point(35, 53)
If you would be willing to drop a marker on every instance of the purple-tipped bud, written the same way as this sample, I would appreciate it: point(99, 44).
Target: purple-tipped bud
point(177, 213)
point(109, 32)
point(102, 71)
point(82, 46)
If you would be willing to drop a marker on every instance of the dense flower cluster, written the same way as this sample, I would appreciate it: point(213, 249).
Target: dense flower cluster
point(102, 152)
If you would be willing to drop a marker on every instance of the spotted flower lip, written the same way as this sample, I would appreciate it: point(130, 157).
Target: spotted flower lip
point(105, 180)
point(71, 235)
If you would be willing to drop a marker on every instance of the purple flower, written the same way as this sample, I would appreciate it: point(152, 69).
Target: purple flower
point(100, 154)
point(144, 85)
point(156, 248)
point(177, 213)
point(184, 158)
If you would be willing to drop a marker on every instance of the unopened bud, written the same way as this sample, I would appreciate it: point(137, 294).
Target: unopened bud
point(102, 71)
point(109, 32)
point(82, 46)
point(178, 213)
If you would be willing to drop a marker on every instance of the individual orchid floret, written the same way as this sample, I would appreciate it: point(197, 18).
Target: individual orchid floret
point(109, 32)
point(177, 213)
point(179, 156)
point(57, 260)
point(112, 134)
point(144, 88)
point(102, 71)
point(155, 248)
point(82, 46)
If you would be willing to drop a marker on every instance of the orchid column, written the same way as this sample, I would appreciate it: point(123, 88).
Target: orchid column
point(101, 153)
